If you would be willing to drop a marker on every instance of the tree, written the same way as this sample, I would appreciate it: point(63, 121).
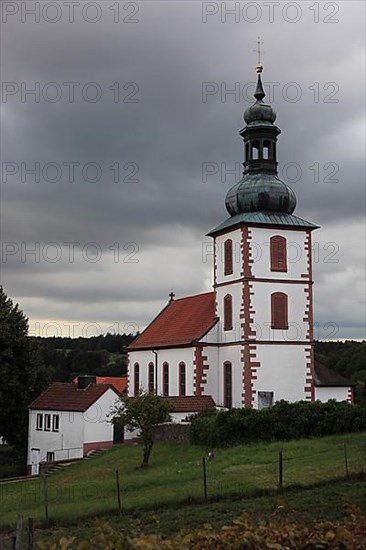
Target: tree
point(22, 372)
point(142, 413)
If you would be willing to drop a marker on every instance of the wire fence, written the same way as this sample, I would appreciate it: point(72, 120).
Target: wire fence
point(52, 498)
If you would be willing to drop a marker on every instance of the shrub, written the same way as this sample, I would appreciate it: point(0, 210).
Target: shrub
point(283, 421)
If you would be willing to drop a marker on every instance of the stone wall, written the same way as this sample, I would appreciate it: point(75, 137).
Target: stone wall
point(172, 432)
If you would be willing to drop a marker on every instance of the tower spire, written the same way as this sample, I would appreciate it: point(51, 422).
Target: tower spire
point(259, 91)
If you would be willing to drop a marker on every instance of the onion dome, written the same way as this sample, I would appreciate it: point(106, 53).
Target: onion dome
point(260, 111)
point(260, 189)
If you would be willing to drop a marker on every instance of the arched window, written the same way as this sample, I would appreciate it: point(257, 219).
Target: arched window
point(228, 312)
point(136, 379)
point(182, 379)
point(266, 149)
point(228, 385)
point(247, 151)
point(228, 257)
point(151, 377)
point(279, 310)
point(278, 247)
point(255, 150)
point(165, 379)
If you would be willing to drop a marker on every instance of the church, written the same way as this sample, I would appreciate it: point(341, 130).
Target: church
point(249, 342)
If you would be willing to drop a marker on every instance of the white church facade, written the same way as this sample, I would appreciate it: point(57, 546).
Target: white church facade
point(250, 342)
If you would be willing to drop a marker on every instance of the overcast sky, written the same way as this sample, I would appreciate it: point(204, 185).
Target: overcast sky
point(132, 136)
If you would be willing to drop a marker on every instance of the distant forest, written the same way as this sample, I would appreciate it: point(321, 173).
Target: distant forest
point(103, 355)
point(106, 356)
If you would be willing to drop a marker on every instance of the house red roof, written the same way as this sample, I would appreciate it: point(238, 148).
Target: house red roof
point(68, 397)
point(180, 323)
point(118, 382)
point(191, 403)
point(323, 376)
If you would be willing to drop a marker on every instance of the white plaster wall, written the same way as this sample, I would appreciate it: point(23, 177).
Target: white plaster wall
point(67, 443)
point(297, 259)
point(235, 290)
point(173, 357)
point(212, 335)
point(232, 354)
point(325, 393)
point(212, 373)
point(297, 304)
point(97, 426)
point(282, 371)
point(235, 236)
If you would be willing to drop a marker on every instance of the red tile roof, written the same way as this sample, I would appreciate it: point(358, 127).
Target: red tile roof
point(191, 403)
point(118, 382)
point(180, 323)
point(68, 397)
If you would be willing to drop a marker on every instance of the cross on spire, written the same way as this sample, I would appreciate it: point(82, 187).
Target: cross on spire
point(171, 296)
point(259, 52)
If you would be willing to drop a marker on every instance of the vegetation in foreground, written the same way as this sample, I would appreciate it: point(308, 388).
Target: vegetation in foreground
point(325, 514)
point(88, 487)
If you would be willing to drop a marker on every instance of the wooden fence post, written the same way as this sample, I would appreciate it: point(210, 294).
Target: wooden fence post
point(280, 470)
point(45, 493)
point(118, 493)
point(345, 458)
point(30, 534)
point(18, 534)
point(204, 478)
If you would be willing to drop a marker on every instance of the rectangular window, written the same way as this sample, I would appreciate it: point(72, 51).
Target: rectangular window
point(279, 311)
point(265, 399)
point(165, 379)
point(55, 423)
point(228, 312)
point(228, 257)
point(278, 252)
point(39, 422)
point(47, 422)
point(50, 456)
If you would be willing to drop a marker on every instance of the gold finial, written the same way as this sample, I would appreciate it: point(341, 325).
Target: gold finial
point(259, 66)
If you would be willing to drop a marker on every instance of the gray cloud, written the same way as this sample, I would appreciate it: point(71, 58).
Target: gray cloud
point(168, 134)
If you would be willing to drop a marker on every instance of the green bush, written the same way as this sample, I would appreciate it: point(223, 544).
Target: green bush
point(283, 421)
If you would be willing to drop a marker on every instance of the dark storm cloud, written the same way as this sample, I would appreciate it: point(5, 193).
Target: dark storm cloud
point(164, 141)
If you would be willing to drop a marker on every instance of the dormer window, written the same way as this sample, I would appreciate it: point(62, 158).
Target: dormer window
point(278, 252)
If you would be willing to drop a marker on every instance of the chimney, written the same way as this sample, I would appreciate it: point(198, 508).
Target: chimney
point(85, 381)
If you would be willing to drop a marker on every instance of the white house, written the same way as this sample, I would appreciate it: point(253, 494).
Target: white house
point(67, 421)
point(250, 342)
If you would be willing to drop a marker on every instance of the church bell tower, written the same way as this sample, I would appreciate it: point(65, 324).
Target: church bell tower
point(263, 278)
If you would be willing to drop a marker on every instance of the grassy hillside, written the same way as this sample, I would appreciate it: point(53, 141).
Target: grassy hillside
point(175, 476)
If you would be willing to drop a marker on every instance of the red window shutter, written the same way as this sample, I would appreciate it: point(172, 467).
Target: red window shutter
point(278, 247)
point(228, 312)
point(228, 257)
point(279, 310)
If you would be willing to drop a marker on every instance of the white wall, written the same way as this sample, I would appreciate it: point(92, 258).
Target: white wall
point(96, 425)
point(66, 444)
point(235, 236)
point(297, 256)
point(297, 306)
point(282, 371)
point(325, 393)
point(173, 357)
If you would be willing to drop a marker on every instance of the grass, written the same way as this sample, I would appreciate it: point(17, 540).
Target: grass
point(87, 488)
